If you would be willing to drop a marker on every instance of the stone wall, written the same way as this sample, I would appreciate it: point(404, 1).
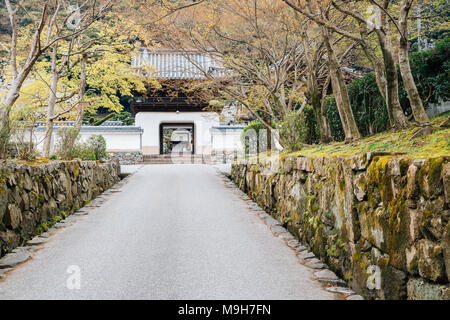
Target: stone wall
point(377, 220)
point(223, 156)
point(127, 157)
point(32, 198)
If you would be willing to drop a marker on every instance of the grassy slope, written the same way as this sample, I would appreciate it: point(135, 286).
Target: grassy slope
point(434, 145)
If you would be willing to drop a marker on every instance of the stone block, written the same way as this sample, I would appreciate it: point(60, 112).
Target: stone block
point(13, 216)
point(419, 289)
point(431, 260)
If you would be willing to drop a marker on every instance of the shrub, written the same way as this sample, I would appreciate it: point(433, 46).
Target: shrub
point(251, 141)
point(19, 135)
point(96, 146)
point(66, 146)
point(24, 146)
point(84, 151)
point(26, 151)
point(298, 129)
point(69, 147)
point(431, 71)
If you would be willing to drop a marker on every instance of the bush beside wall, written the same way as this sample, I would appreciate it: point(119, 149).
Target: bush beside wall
point(369, 210)
point(34, 197)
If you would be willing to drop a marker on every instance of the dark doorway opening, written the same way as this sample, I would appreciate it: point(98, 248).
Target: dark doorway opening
point(176, 138)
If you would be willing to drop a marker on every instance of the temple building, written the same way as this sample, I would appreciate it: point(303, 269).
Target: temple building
point(176, 118)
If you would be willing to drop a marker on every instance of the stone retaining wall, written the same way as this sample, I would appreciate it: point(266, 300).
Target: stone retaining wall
point(32, 198)
point(381, 222)
point(127, 157)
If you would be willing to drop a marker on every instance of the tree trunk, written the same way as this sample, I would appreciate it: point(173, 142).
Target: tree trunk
point(5, 110)
point(315, 99)
point(326, 135)
point(18, 78)
point(405, 69)
point(51, 106)
point(397, 117)
point(379, 70)
point(268, 119)
point(340, 92)
point(80, 113)
point(5, 129)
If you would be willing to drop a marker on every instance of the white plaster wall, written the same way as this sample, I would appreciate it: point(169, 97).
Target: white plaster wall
point(115, 141)
point(226, 140)
point(150, 121)
point(130, 141)
point(435, 110)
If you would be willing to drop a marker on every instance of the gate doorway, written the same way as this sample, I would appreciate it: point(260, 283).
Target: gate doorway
point(176, 138)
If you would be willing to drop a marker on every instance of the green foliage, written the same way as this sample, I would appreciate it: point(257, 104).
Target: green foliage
point(256, 125)
point(99, 121)
point(65, 147)
point(435, 17)
point(69, 147)
point(436, 144)
point(97, 146)
point(431, 71)
point(93, 149)
point(111, 80)
point(334, 121)
point(124, 116)
point(298, 129)
point(84, 152)
point(251, 140)
point(43, 227)
point(56, 220)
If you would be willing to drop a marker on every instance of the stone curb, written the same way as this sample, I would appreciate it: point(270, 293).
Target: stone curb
point(17, 256)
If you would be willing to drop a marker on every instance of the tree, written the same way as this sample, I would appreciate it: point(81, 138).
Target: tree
point(385, 69)
point(379, 22)
point(318, 76)
point(19, 74)
point(405, 69)
point(79, 22)
point(50, 20)
point(320, 13)
point(260, 46)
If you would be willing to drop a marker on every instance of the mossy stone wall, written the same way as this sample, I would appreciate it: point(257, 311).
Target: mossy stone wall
point(364, 214)
point(32, 198)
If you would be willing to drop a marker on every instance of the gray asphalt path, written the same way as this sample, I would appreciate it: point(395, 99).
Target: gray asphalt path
point(173, 232)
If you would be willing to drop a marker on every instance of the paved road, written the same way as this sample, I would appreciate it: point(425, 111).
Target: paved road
point(173, 232)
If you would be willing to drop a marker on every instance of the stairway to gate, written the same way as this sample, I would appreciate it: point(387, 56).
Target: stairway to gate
point(177, 159)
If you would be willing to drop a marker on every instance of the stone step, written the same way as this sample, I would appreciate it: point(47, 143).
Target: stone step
point(175, 159)
point(164, 156)
point(161, 162)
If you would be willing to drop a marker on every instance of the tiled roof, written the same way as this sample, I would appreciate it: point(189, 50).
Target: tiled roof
point(173, 64)
point(109, 123)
